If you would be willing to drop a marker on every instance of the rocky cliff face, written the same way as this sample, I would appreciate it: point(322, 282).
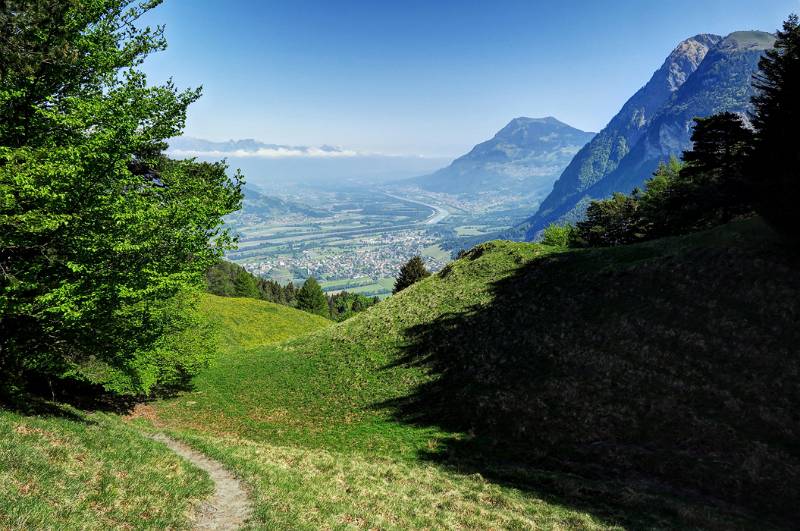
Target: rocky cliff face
point(526, 156)
point(722, 82)
point(612, 145)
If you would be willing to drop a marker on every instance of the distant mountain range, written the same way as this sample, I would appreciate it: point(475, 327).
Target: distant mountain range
point(704, 75)
point(526, 156)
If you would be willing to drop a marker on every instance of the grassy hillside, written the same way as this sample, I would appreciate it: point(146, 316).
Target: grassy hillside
point(301, 488)
point(61, 468)
point(645, 386)
point(315, 454)
point(638, 385)
point(245, 323)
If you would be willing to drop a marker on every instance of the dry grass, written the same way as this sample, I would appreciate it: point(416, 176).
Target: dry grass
point(296, 488)
point(90, 472)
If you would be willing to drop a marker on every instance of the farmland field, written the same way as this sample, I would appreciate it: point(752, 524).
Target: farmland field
point(355, 240)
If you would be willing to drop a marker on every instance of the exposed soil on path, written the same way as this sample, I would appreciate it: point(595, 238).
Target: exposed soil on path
point(229, 506)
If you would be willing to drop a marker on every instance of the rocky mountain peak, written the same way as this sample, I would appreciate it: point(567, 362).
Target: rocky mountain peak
point(524, 157)
point(686, 57)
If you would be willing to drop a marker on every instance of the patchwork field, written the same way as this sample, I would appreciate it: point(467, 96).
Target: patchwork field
point(348, 236)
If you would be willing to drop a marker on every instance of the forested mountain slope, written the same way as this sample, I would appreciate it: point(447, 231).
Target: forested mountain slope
point(703, 76)
point(526, 156)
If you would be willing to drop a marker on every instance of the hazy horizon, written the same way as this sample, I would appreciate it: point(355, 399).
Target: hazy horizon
point(422, 79)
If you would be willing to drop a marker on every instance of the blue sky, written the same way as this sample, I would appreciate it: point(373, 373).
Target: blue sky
point(426, 78)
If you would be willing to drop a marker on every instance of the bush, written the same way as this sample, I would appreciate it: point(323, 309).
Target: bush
point(186, 345)
point(344, 305)
point(556, 235)
point(614, 221)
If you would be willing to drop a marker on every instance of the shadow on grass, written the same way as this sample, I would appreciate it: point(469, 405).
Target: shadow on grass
point(631, 385)
point(31, 405)
point(63, 398)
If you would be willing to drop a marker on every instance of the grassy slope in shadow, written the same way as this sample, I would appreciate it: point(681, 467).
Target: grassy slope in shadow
point(640, 384)
point(669, 366)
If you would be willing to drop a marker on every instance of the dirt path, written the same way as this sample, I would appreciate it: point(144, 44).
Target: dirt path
point(229, 506)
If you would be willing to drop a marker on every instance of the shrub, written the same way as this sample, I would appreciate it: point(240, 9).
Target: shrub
point(557, 235)
point(412, 271)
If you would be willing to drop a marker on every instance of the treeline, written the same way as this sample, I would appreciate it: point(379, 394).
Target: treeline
point(737, 166)
point(227, 279)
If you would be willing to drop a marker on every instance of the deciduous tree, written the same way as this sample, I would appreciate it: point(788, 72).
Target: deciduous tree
point(102, 238)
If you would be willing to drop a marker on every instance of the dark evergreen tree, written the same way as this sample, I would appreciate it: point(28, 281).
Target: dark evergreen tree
point(412, 271)
point(231, 280)
point(245, 285)
point(707, 189)
point(220, 277)
point(655, 219)
point(270, 290)
point(290, 294)
point(710, 188)
point(775, 167)
point(310, 298)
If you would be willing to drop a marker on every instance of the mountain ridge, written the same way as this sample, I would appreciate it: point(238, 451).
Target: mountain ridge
point(719, 81)
point(244, 147)
point(614, 141)
point(525, 156)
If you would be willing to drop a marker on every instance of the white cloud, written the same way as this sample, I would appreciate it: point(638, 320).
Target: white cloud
point(268, 153)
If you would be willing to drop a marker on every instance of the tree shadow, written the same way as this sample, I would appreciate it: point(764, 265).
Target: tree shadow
point(32, 405)
point(635, 383)
point(49, 397)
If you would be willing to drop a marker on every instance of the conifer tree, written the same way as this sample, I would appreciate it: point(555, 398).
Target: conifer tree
point(245, 285)
point(310, 298)
point(710, 188)
point(775, 168)
point(290, 294)
point(412, 271)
